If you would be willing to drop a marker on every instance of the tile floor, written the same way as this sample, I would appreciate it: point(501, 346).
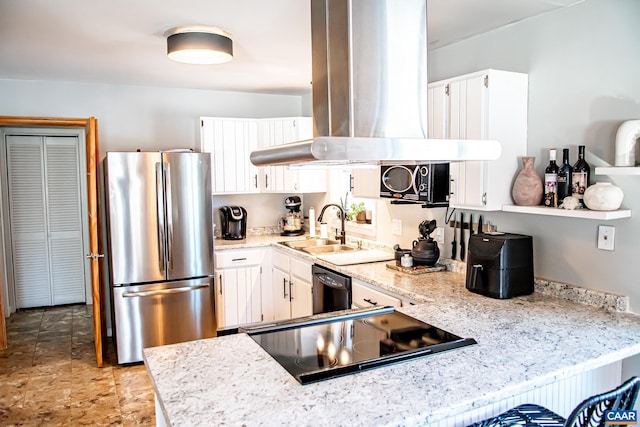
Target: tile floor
point(49, 377)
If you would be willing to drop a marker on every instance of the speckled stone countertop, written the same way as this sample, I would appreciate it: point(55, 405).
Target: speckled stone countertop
point(523, 343)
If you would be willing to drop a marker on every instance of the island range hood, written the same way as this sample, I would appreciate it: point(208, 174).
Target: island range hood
point(369, 89)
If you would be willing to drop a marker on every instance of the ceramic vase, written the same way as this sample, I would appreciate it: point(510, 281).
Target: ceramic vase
point(603, 196)
point(527, 188)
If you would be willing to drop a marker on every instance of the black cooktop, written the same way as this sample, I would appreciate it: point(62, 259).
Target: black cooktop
point(319, 349)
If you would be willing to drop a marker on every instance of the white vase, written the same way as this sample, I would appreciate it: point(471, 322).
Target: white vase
point(603, 196)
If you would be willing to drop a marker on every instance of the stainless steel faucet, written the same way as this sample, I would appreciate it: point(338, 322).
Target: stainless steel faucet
point(342, 237)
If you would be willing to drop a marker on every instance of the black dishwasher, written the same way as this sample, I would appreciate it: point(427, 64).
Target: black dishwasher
point(331, 290)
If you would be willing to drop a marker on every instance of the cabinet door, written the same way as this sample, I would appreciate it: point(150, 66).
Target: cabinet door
point(238, 297)
point(227, 298)
point(437, 113)
point(366, 182)
point(467, 120)
point(249, 295)
point(301, 298)
point(230, 141)
point(280, 289)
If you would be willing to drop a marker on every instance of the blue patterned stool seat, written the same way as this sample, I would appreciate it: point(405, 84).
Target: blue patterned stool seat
point(524, 415)
point(590, 413)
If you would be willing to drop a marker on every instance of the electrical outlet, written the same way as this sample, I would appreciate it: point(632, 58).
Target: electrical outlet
point(440, 234)
point(606, 237)
point(396, 227)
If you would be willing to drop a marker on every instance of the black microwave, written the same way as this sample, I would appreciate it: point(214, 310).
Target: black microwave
point(427, 183)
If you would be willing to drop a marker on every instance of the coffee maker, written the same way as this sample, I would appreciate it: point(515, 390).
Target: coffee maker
point(292, 221)
point(233, 221)
point(500, 265)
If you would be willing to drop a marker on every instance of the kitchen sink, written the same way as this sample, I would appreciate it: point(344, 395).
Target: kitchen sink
point(310, 243)
point(319, 246)
point(315, 250)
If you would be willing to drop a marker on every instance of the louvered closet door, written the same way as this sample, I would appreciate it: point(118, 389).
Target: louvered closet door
point(29, 246)
point(46, 227)
point(65, 222)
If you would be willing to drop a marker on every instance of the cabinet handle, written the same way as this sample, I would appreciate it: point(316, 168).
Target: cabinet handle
point(255, 178)
point(350, 182)
point(220, 281)
point(284, 288)
point(266, 181)
point(290, 290)
point(370, 302)
point(238, 259)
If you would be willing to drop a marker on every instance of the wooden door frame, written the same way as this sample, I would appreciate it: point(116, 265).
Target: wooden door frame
point(90, 125)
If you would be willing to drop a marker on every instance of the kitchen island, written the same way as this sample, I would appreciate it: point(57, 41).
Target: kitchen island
point(534, 348)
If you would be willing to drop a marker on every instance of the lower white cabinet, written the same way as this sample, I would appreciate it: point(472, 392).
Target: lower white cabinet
point(291, 286)
point(365, 295)
point(238, 287)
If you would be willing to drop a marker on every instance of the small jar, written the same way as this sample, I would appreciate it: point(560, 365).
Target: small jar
point(406, 261)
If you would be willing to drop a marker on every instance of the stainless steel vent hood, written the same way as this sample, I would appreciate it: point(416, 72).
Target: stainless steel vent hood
point(369, 61)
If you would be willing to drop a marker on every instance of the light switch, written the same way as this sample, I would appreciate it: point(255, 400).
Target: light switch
point(440, 234)
point(606, 235)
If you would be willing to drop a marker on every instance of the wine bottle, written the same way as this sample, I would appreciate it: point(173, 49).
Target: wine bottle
point(565, 176)
point(551, 181)
point(581, 176)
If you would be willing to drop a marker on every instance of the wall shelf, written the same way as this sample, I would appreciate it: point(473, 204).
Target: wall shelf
point(617, 170)
point(578, 213)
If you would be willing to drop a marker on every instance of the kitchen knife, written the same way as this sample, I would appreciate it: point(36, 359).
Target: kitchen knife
point(480, 225)
point(471, 225)
point(462, 245)
point(454, 244)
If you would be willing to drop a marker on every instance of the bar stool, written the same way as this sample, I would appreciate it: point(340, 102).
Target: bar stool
point(590, 413)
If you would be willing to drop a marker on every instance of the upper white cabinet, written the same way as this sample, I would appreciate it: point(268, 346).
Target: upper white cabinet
point(230, 141)
point(489, 104)
point(285, 179)
point(365, 182)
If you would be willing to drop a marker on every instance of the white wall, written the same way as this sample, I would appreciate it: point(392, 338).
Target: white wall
point(131, 117)
point(583, 67)
point(151, 118)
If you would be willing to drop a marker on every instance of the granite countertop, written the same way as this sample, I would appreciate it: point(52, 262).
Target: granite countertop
point(523, 343)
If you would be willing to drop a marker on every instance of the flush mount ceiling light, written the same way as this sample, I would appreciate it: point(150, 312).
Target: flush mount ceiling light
point(199, 45)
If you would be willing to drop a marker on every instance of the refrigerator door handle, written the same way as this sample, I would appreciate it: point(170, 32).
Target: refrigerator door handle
point(160, 216)
point(167, 187)
point(165, 291)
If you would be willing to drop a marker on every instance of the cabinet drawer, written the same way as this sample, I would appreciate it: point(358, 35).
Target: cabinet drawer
point(363, 297)
point(300, 268)
point(238, 258)
point(280, 260)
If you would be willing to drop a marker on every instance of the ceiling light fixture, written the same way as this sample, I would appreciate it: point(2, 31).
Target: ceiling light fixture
point(199, 45)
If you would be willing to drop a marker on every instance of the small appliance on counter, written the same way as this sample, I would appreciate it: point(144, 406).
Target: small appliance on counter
point(233, 221)
point(425, 250)
point(500, 265)
point(292, 221)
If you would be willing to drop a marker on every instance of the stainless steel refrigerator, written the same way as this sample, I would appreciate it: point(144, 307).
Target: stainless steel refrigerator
point(160, 246)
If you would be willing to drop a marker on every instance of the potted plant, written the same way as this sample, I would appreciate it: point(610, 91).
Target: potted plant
point(358, 212)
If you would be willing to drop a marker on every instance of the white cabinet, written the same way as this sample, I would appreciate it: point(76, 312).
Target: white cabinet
point(365, 182)
point(238, 287)
point(364, 295)
point(291, 286)
point(230, 141)
point(489, 104)
point(285, 179)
